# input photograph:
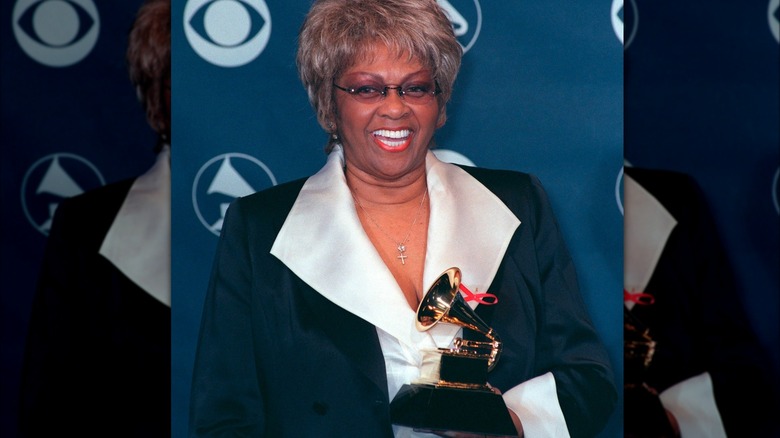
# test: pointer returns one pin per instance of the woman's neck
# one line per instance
(372, 191)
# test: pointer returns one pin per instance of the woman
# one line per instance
(309, 321)
(98, 358)
(707, 364)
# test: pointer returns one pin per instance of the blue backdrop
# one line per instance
(702, 93)
(540, 90)
(70, 122)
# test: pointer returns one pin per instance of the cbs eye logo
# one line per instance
(622, 16)
(227, 33)
(56, 33)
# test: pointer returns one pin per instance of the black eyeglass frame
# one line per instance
(383, 93)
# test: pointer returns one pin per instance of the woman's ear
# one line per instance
(442, 119)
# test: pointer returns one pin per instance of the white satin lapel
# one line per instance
(336, 258)
(139, 240)
(334, 255)
(647, 226)
(469, 227)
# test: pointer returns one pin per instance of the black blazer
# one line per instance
(97, 359)
(277, 359)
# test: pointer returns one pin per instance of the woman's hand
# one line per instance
(517, 423)
(515, 418)
(673, 423)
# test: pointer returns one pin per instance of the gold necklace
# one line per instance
(400, 246)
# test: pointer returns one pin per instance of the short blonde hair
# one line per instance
(337, 33)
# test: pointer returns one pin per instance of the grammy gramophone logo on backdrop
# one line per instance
(221, 180)
(50, 180)
(466, 19)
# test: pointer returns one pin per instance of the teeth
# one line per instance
(394, 144)
(392, 134)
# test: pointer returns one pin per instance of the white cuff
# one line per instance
(535, 402)
(692, 402)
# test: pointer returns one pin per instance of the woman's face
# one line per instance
(387, 139)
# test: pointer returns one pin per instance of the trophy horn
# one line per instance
(444, 303)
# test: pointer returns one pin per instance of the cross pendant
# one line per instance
(401, 250)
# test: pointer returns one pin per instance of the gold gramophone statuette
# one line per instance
(456, 377)
(638, 349)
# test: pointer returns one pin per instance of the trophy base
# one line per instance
(434, 408)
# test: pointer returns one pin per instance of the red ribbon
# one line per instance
(640, 298)
(482, 298)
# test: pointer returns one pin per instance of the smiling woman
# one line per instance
(309, 322)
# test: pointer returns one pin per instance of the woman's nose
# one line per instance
(393, 105)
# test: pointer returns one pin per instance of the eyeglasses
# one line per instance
(418, 94)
